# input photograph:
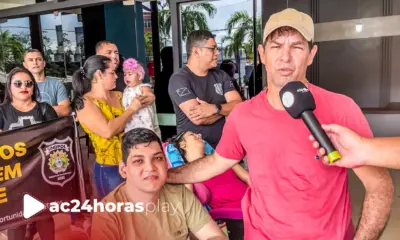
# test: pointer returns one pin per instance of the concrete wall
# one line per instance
(125, 28)
(384, 125)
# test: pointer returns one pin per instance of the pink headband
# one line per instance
(133, 65)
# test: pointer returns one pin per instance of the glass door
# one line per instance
(237, 26)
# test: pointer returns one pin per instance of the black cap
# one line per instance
(296, 98)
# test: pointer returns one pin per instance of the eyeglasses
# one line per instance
(213, 48)
(18, 83)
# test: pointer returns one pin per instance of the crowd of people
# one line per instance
(285, 193)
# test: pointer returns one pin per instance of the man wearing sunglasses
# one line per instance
(52, 91)
(202, 95)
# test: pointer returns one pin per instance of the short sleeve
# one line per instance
(145, 85)
(227, 83)
(356, 120)
(62, 93)
(105, 226)
(229, 145)
(196, 215)
(50, 113)
(180, 90)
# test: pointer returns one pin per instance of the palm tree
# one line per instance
(164, 25)
(241, 36)
(11, 50)
(242, 23)
(192, 17)
(235, 43)
(24, 38)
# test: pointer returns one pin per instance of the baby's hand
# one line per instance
(136, 104)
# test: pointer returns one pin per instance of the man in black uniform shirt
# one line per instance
(202, 95)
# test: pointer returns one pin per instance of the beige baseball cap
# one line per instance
(290, 18)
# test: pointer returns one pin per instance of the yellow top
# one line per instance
(108, 151)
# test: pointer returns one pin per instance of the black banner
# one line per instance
(42, 160)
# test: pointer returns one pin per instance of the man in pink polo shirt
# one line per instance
(292, 194)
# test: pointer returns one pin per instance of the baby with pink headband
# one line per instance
(147, 116)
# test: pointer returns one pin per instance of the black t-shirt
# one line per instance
(185, 85)
(11, 118)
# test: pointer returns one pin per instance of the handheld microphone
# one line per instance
(299, 103)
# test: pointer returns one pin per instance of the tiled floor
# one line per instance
(392, 231)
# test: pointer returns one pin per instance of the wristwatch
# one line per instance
(218, 107)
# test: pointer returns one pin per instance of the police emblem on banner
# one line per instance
(58, 163)
(218, 88)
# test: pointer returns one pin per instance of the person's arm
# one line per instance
(63, 104)
(377, 202)
(200, 170)
(382, 152)
(181, 93)
(205, 112)
(148, 95)
(232, 99)
(241, 173)
(377, 182)
(50, 113)
(200, 112)
(199, 222)
(232, 96)
(356, 150)
(190, 187)
(63, 108)
(227, 154)
(105, 226)
(93, 118)
(210, 231)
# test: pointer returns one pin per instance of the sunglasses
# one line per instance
(18, 83)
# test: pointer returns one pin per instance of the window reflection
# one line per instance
(52, 38)
(15, 39)
(63, 43)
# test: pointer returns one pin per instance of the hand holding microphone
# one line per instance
(299, 103)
